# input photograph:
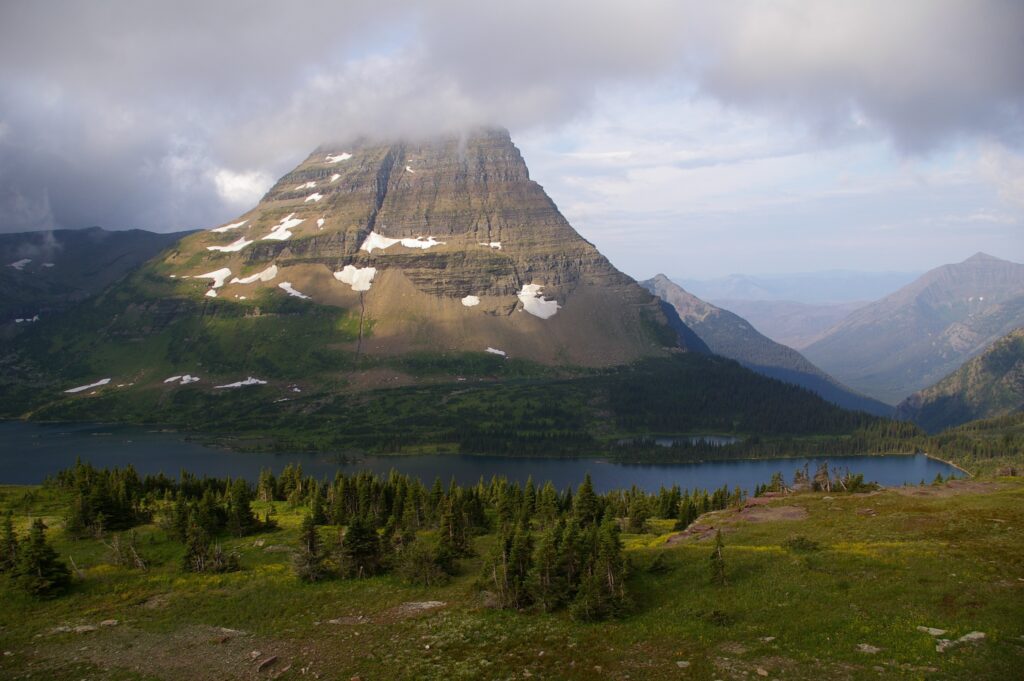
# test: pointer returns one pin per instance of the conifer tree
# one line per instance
(8, 545)
(360, 549)
(547, 505)
(38, 570)
(309, 559)
(240, 519)
(585, 505)
(547, 584)
(197, 546)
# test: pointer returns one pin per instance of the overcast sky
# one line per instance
(695, 138)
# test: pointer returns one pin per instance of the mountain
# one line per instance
(442, 245)
(731, 336)
(919, 334)
(987, 386)
(817, 288)
(42, 273)
(790, 323)
(396, 296)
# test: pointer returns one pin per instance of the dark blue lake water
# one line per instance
(31, 451)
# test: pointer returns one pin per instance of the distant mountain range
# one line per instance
(815, 288)
(44, 272)
(914, 337)
(731, 336)
(990, 385)
(793, 324)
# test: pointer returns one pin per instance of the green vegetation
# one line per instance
(800, 596)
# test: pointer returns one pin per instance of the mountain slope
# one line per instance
(919, 334)
(42, 273)
(988, 386)
(731, 336)
(792, 324)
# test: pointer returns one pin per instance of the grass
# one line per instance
(949, 556)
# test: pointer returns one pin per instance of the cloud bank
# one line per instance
(178, 115)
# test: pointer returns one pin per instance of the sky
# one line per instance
(694, 138)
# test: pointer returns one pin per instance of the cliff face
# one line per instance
(443, 245)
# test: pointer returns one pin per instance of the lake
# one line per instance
(29, 452)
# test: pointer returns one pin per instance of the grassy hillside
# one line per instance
(811, 580)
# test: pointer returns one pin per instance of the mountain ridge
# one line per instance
(729, 335)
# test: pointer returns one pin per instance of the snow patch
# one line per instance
(218, 277)
(359, 278)
(343, 156)
(47, 264)
(282, 231)
(20, 264)
(409, 170)
(286, 286)
(265, 275)
(320, 223)
(491, 244)
(242, 384)
(183, 380)
(233, 247)
(335, 176)
(314, 197)
(102, 381)
(535, 304)
(308, 185)
(228, 228)
(374, 240)
(470, 301)
(26, 320)
(496, 351)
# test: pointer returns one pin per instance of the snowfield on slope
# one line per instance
(374, 240)
(218, 277)
(266, 275)
(232, 247)
(102, 381)
(533, 303)
(183, 380)
(282, 231)
(228, 228)
(286, 286)
(359, 278)
(242, 384)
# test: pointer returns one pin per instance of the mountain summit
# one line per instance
(442, 245)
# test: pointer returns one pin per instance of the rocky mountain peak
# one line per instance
(444, 243)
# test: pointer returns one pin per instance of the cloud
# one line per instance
(172, 115)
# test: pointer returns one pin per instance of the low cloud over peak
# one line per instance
(174, 115)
